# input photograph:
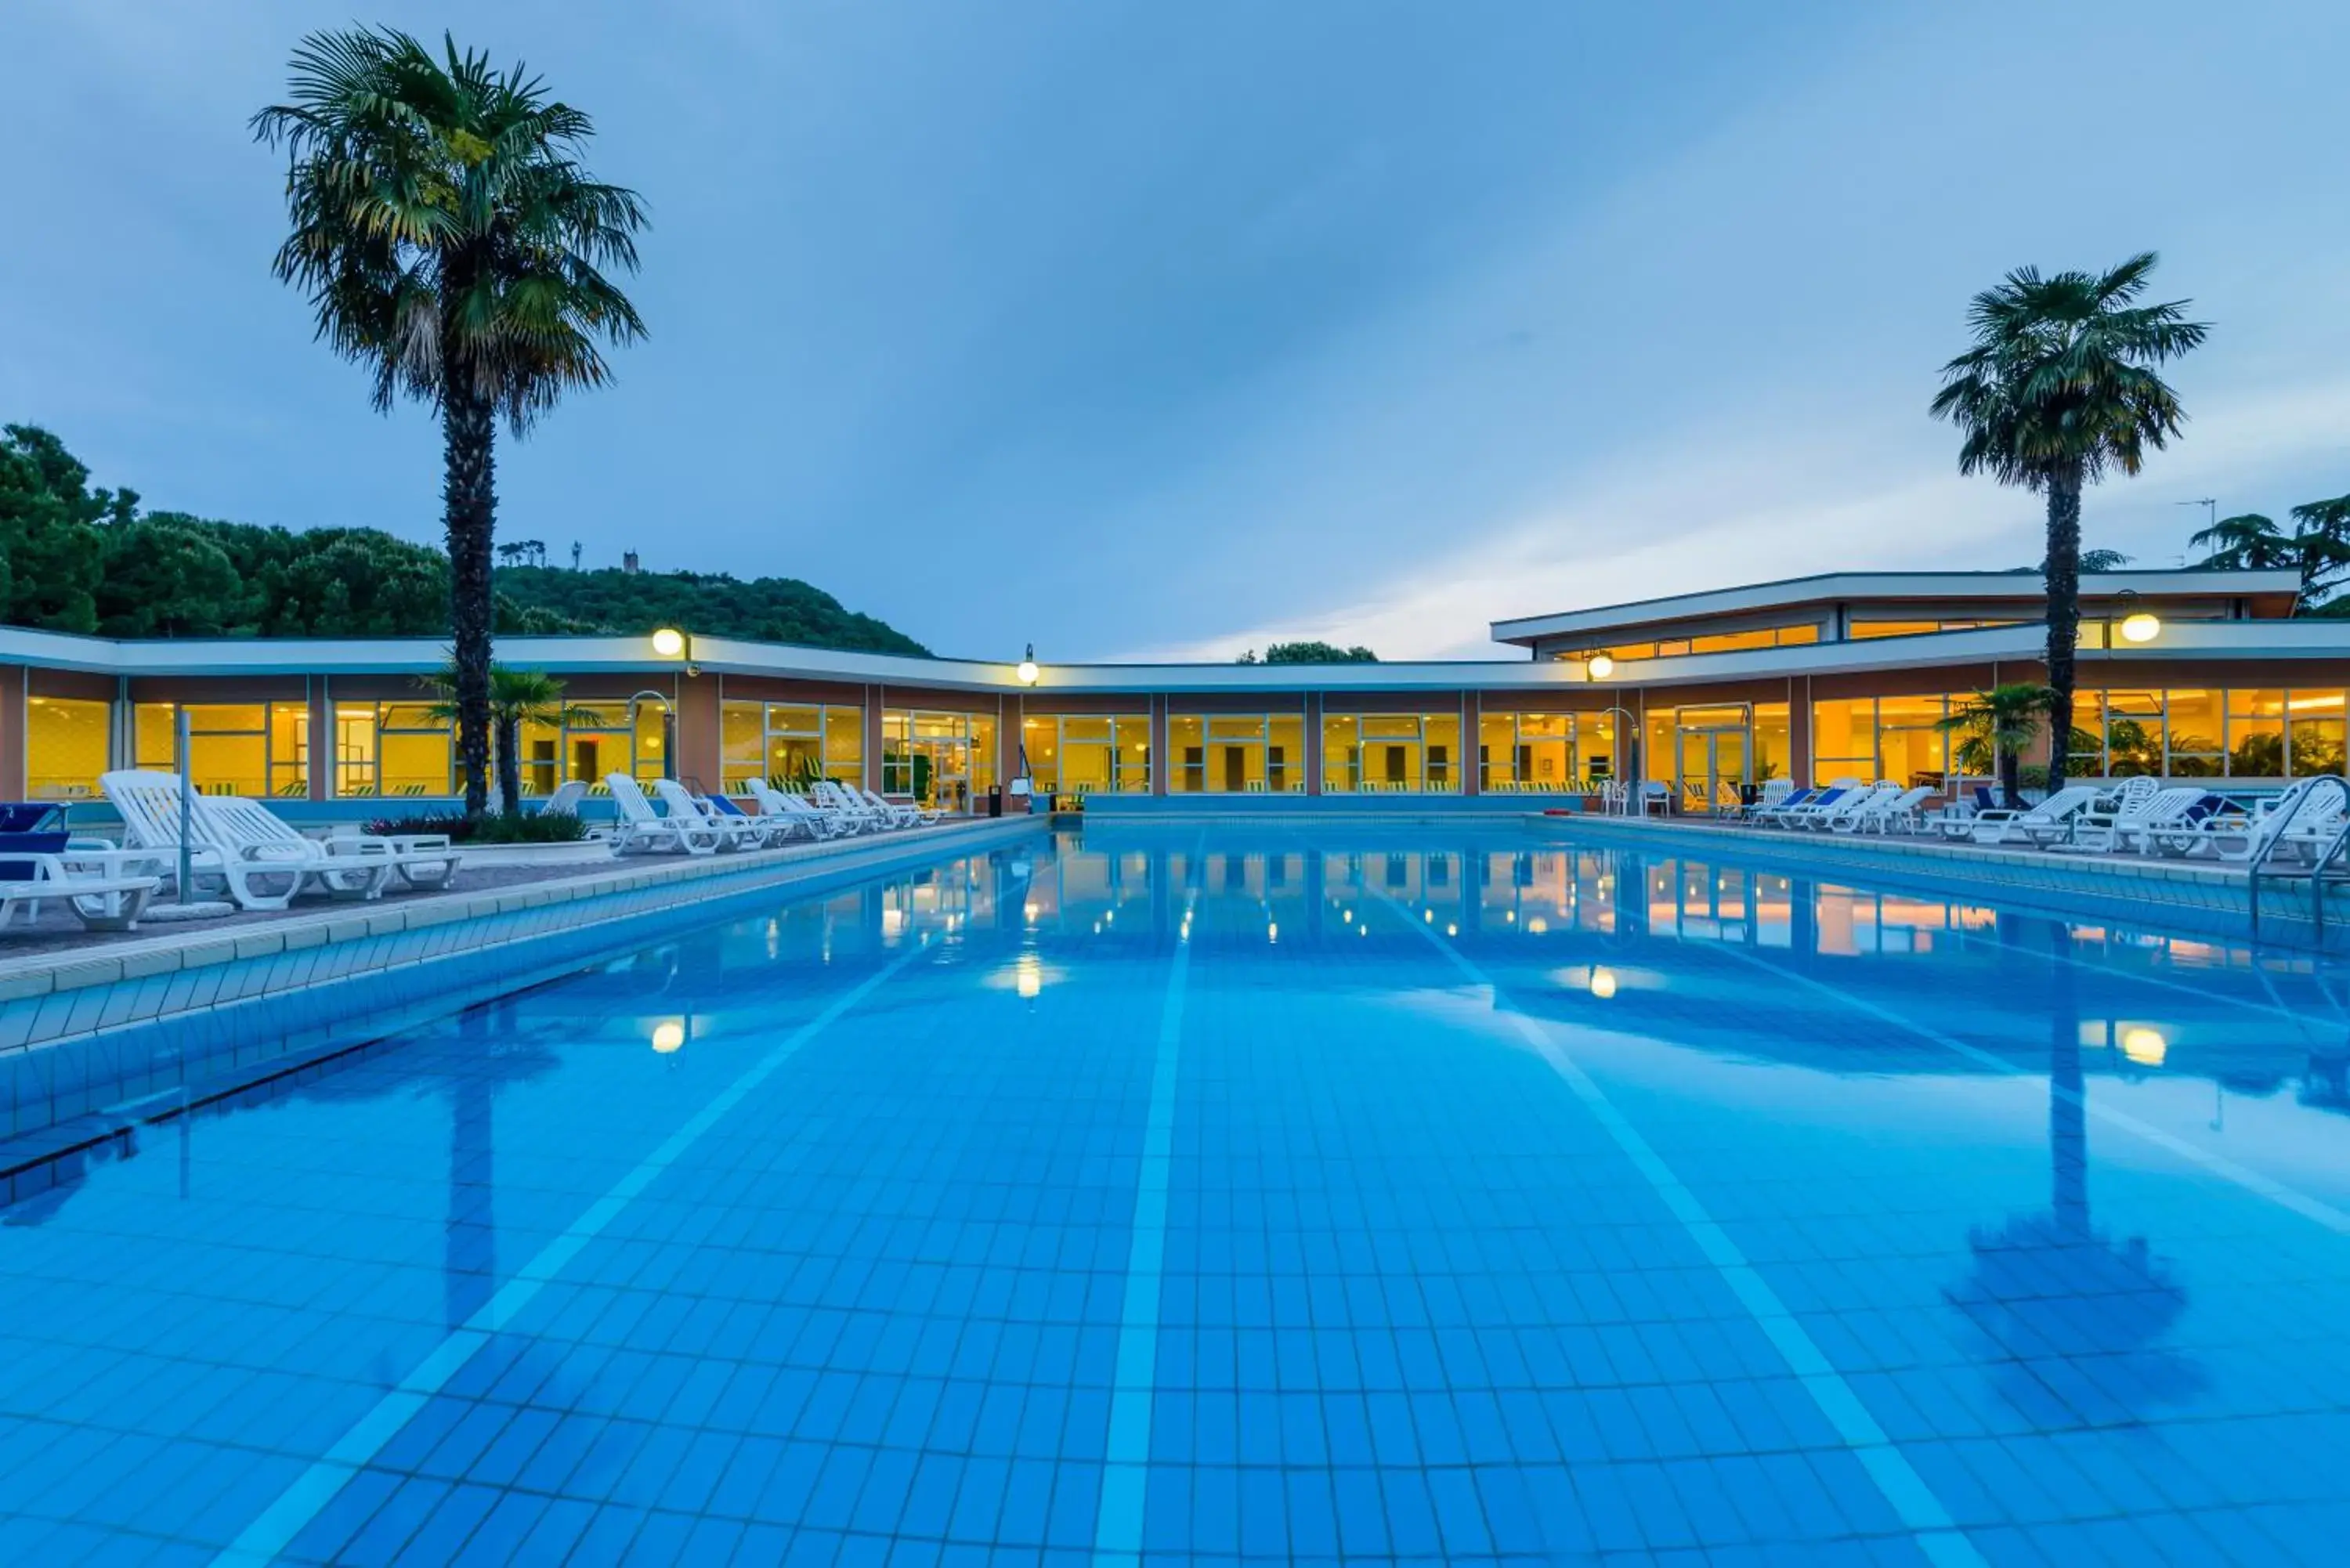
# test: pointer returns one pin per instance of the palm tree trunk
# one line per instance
(469, 503)
(509, 765)
(2064, 571)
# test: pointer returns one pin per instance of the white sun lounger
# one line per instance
(1883, 813)
(2040, 825)
(254, 876)
(785, 806)
(100, 901)
(827, 795)
(680, 803)
(644, 828)
(911, 815)
(2300, 823)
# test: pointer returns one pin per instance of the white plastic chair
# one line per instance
(2040, 825)
(255, 877)
(642, 827)
(790, 808)
(679, 803)
(101, 902)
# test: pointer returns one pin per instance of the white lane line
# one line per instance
(316, 1487)
(2219, 1165)
(1118, 1527)
(1913, 1501)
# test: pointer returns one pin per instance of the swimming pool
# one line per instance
(1244, 1193)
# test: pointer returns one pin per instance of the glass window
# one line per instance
(66, 746)
(1187, 754)
(1234, 753)
(253, 749)
(843, 745)
(2314, 722)
(1772, 755)
(2133, 733)
(1910, 749)
(1342, 754)
(2196, 728)
(2255, 734)
(1844, 740)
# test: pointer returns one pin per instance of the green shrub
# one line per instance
(495, 827)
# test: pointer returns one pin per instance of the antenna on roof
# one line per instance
(2210, 504)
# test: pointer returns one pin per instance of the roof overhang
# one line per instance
(2275, 589)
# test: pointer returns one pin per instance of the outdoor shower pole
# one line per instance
(187, 783)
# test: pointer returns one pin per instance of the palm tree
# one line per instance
(2320, 537)
(1995, 727)
(451, 242)
(2058, 388)
(517, 696)
(2245, 543)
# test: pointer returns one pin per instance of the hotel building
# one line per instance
(2194, 674)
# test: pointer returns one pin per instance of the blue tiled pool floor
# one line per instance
(1324, 1195)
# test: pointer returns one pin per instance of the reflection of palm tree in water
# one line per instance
(2074, 1316)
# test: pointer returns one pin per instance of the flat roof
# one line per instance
(1985, 588)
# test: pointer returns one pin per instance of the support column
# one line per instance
(700, 750)
(1312, 747)
(1472, 741)
(874, 741)
(1799, 734)
(1162, 760)
(322, 756)
(15, 745)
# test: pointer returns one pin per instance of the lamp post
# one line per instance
(1628, 749)
(669, 730)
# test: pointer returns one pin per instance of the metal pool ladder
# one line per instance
(2324, 861)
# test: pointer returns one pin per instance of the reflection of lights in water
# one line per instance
(2144, 1047)
(1110, 916)
(1097, 927)
(1429, 916)
(1603, 983)
(668, 1035)
(1510, 917)
(1271, 931)
(1537, 925)
(1028, 976)
(1450, 929)
(1345, 917)
(1029, 911)
(893, 921)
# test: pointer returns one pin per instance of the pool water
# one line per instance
(1253, 1193)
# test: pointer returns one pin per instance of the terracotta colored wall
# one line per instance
(12, 763)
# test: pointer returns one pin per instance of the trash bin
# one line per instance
(995, 801)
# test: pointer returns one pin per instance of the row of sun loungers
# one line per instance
(674, 820)
(2139, 817)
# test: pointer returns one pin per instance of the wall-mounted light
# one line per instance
(2137, 623)
(1599, 666)
(1028, 666)
(671, 643)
